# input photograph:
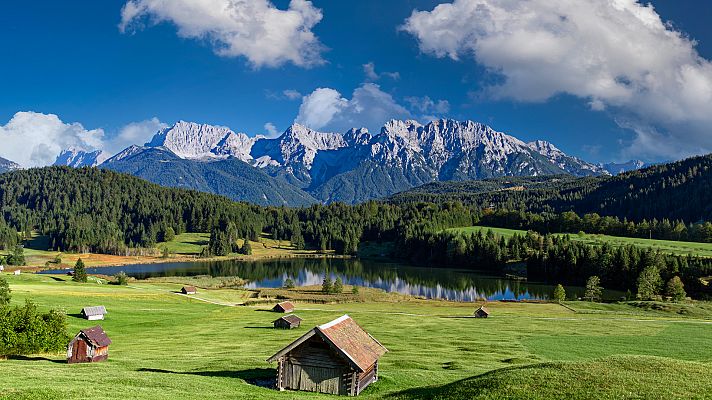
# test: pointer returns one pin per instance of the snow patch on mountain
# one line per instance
(77, 158)
(7, 165)
(194, 141)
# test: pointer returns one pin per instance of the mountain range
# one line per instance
(304, 166)
(7, 165)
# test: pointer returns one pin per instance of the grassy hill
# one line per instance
(168, 346)
(666, 246)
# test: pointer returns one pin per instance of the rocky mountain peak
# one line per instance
(77, 158)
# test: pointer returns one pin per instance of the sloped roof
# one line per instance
(486, 311)
(291, 318)
(95, 310)
(97, 336)
(190, 289)
(353, 343)
(285, 305)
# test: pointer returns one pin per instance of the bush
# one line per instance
(354, 289)
(122, 279)
(326, 285)
(80, 273)
(288, 283)
(559, 293)
(169, 235)
(649, 283)
(17, 257)
(246, 248)
(24, 331)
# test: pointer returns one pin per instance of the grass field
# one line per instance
(667, 246)
(168, 346)
(185, 247)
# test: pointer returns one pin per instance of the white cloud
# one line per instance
(369, 69)
(34, 139)
(369, 107)
(271, 130)
(429, 108)
(254, 29)
(618, 55)
(134, 133)
(292, 94)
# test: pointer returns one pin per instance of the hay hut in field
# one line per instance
(287, 322)
(481, 312)
(2, 268)
(189, 290)
(16, 272)
(284, 307)
(89, 345)
(94, 313)
(336, 358)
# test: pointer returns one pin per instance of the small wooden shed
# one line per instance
(287, 322)
(2, 268)
(89, 345)
(94, 313)
(189, 290)
(284, 307)
(16, 272)
(481, 312)
(336, 358)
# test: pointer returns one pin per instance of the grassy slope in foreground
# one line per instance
(618, 377)
(168, 346)
(667, 246)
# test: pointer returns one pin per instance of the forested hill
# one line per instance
(90, 209)
(678, 190)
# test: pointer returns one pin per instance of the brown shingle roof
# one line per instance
(349, 340)
(292, 319)
(285, 305)
(97, 336)
(190, 289)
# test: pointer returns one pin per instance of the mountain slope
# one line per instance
(73, 157)
(230, 177)
(7, 165)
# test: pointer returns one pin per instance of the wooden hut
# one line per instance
(2, 268)
(287, 322)
(189, 290)
(16, 272)
(336, 358)
(481, 312)
(94, 313)
(284, 307)
(89, 345)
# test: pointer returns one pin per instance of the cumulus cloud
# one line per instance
(369, 107)
(254, 29)
(369, 69)
(618, 55)
(134, 133)
(34, 139)
(271, 130)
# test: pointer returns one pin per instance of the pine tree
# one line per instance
(246, 248)
(80, 273)
(288, 283)
(326, 285)
(338, 287)
(649, 283)
(593, 289)
(675, 289)
(559, 293)
(4, 292)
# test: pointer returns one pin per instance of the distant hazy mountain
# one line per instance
(350, 167)
(229, 177)
(7, 165)
(619, 168)
(76, 158)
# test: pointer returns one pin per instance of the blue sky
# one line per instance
(73, 60)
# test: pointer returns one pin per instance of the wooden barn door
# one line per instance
(315, 379)
(79, 351)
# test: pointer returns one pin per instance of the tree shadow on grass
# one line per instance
(36, 358)
(262, 377)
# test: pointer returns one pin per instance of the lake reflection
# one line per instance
(433, 283)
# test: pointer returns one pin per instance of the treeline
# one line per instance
(101, 211)
(558, 259)
(680, 190)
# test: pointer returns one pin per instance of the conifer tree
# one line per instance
(80, 273)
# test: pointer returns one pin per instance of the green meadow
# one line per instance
(667, 246)
(169, 346)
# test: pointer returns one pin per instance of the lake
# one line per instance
(433, 283)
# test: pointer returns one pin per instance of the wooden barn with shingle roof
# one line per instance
(89, 345)
(283, 307)
(336, 358)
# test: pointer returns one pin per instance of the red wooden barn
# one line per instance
(89, 345)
